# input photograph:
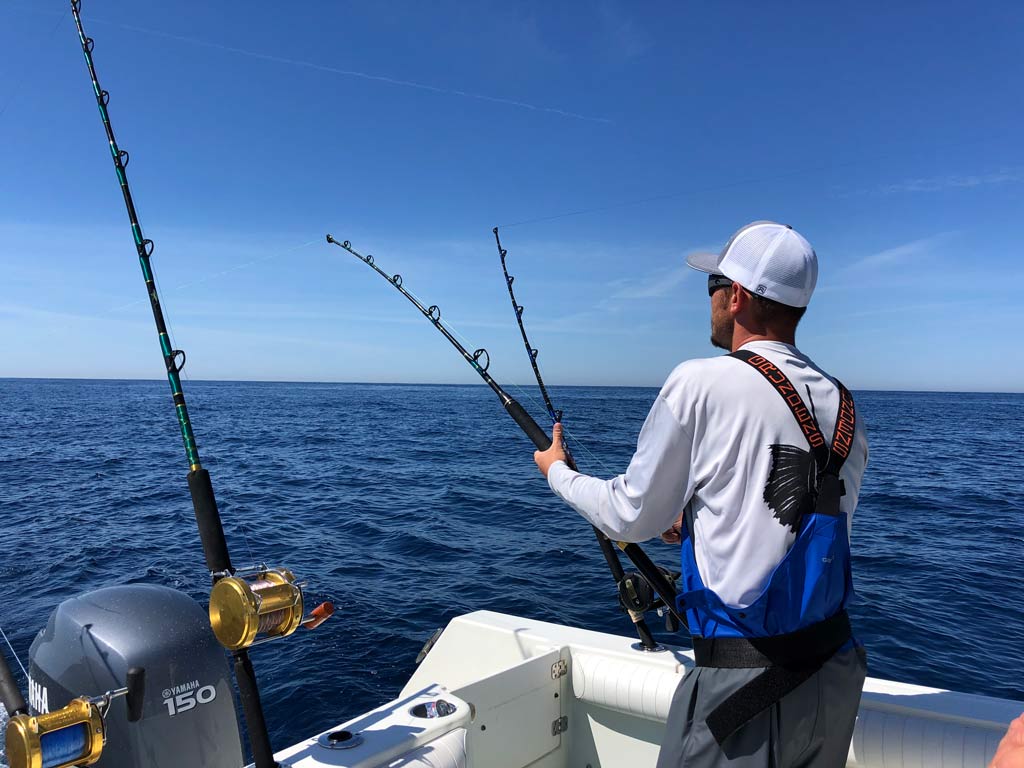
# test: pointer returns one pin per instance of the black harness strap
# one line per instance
(804, 417)
(828, 457)
(789, 659)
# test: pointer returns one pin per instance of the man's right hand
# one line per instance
(555, 453)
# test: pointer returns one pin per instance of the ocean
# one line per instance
(407, 505)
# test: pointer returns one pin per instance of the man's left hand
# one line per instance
(674, 535)
(555, 453)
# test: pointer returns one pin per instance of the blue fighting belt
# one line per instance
(799, 620)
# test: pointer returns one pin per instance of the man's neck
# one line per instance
(741, 336)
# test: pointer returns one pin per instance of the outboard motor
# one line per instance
(90, 643)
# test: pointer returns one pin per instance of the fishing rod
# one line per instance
(244, 603)
(531, 351)
(654, 576)
(628, 595)
(10, 693)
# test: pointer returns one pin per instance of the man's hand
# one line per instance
(555, 453)
(1010, 753)
(674, 535)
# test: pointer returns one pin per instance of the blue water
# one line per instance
(408, 505)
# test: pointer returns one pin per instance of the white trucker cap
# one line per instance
(769, 259)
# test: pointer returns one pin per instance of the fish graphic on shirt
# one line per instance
(791, 490)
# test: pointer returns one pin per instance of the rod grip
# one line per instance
(526, 423)
(259, 740)
(211, 531)
(10, 693)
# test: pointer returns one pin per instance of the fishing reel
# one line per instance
(260, 604)
(636, 596)
(73, 735)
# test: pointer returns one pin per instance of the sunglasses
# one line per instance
(717, 281)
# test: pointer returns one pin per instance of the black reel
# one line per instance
(637, 596)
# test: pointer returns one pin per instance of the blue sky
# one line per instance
(887, 133)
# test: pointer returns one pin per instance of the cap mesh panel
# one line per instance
(748, 249)
(787, 266)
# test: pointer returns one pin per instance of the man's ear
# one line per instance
(738, 299)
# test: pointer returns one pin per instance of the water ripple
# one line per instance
(408, 505)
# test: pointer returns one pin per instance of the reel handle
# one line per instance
(134, 691)
(318, 615)
(135, 682)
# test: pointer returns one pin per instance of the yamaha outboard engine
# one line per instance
(90, 643)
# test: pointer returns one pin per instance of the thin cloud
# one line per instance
(899, 254)
(931, 308)
(626, 39)
(588, 323)
(358, 74)
(945, 183)
(656, 286)
(38, 313)
(941, 183)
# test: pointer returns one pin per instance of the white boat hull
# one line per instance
(529, 693)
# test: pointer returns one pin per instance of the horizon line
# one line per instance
(471, 384)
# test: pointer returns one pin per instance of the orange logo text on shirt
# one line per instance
(796, 404)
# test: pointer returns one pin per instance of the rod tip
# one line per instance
(330, 239)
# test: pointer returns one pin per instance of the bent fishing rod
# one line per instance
(651, 572)
(244, 603)
(627, 590)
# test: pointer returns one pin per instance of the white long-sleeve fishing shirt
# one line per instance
(706, 442)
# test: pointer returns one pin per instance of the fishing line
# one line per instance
(214, 275)
(554, 414)
(240, 519)
(101, 315)
(627, 590)
(13, 652)
(358, 74)
(738, 183)
(480, 361)
(531, 351)
(242, 528)
(247, 616)
(523, 393)
(21, 81)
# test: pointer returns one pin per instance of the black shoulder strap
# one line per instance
(829, 457)
(846, 427)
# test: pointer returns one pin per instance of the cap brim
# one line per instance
(705, 262)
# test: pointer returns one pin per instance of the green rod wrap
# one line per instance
(211, 531)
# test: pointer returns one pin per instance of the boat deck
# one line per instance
(530, 693)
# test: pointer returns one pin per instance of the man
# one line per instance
(754, 461)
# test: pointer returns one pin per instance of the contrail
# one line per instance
(214, 275)
(356, 73)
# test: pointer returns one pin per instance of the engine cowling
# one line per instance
(91, 641)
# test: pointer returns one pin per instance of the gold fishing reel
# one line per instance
(73, 735)
(265, 603)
